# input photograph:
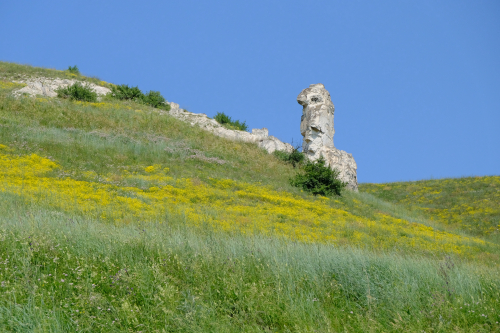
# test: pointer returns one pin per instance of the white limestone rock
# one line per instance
(47, 87)
(316, 123)
(343, 162)
(316, 127)
(260, 137)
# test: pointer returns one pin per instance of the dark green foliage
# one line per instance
(225, 120)
(77, 92)
(73, 70)
(319, 179)
(152, 98)
(124, 92)
(155, 99)
(222, 118)
(241, 126)
(294, 158)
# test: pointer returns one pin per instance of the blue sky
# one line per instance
(416, 84)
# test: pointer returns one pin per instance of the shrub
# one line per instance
(155, 99)
(222, 118)
(77, 92)
(319, 179)
(73, 70)
(124, 92)
(294, 158)
(152, 98)
(225, 120)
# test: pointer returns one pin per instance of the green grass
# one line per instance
(470, 204)
(13, 71)
(63, 273)
(227, 122)
(166, 277)
(75, 134)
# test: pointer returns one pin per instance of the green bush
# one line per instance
(225, 120)
(152, 98)
(319, 179)
(222, 118)
(124, 92)
(155, 99)
(294, 158)
(73, 70)
(78, 92)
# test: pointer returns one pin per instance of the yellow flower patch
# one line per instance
(11, 85)
(221, 204)
(471, 203)
(103, 105)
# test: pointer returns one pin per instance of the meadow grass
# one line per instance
(13, 71)
(115, 216)
(471, 204)
(126, 133)
(226, 205)
(62, 272)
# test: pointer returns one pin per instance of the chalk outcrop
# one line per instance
(260, 137)
(316, 126)
(47, 87)
(42, 86)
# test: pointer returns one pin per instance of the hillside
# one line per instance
(116, 216)
(470, 203)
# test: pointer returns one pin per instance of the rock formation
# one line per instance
(47, 87)
(316, 127)
(259, 136)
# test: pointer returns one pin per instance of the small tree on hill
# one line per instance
(78, 92)
(319, 179)
(73, 70)
(124, 92)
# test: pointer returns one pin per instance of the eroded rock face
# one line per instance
(260, 137)
(316, 124)
(316, 127)
(47, 87)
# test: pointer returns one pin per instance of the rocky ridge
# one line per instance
(316, 124)
(260, 137)
(47, 87)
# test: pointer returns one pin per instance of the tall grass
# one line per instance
(132, 134)
(12, 71)
(471, 204)
(67, 273)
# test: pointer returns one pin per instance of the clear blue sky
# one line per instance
(416, 84)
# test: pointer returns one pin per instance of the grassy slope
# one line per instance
(192, 280)
(11, 71)
(469, 203)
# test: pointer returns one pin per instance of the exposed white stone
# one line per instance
(43, 86)
(260, 137)
(316, 127)
(47, 87)
(316, 123)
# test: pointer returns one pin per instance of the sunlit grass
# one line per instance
(470, 203)
(115, 217)
(61, 272)
(13, 71)
(222, 204)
